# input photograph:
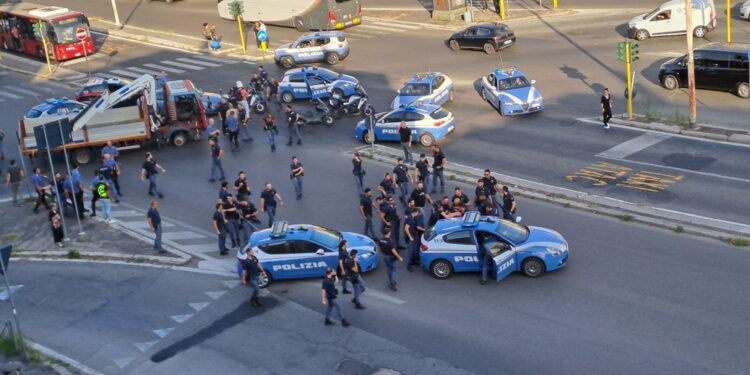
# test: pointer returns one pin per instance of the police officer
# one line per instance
(268, 199)
(423, 170)
(40, 185)
(420, 197)
(463, 198)
(438, 165)
(413, 226)
(401, 178)
(485, 257)
(114, 168)
(480, 190)
(248, 214)
(220, 227)
(217, 154)
(509, 205)
(240, 186)
(365, 209)
(490, 184)
(232, 216)
(404, 134)
(149, 171)
(390, 255)
(353, 273)
(251, 272)
(272, 93)
(297, 172)
(222, 110)
(341, 269)
(292, 118)
(390, 219)
(387, 187)
(224, 191)
(358, 172)
(329, 293)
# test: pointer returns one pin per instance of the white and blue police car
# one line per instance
(425, 88)
(53, 110)
(327, 46)
(429, 125)
(314, 82)
(452, 245)
(511, 93)
(302, 251)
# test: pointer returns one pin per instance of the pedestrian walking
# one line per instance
(113, 173)
(217, 154)
(149, 171)
(413, 227)
(232, 216)
(58, 232)
(509, 204)
(102, 190)
(390, 220)
(252, 269)
(365, 209)
(154, 222)
(272, 93)
(353, 273)
(248, 215)
(269, 126)
(358, 172)
(240, 186)
(268, 199)
(438, 166)
(297, 172)
(219, 224)
(110, 150)
(341, 268)
(329, 294)
(404, 134)
(233, 128)
(423, 170)
(292, 120)
(401, 178)
(387, 186)
(13, 178)
(41, 186)
(390, 256)
(606, 107)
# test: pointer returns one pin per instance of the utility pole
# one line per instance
(117, 15)
(690, 62)
(729, 21)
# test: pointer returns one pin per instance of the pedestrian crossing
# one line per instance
(25, 91)
(373, 29)
(177, 65)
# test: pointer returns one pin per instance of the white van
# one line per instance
(669, 19)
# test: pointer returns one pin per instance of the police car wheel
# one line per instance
(670, 82)
(743, 90)
(488, 48)
(426, 140)
(453, 44)
(332, 58)
(264, 280)
(287, 97)
(287, 62)
(641, 35)
(441, 269)
(367, 137)
(450, 96)
(532, 267)
(83, 156)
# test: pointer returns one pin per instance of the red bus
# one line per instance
(17, 32)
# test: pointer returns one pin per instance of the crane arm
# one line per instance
(143, 83)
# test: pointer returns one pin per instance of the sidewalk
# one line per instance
(423, 16)
(37, 68)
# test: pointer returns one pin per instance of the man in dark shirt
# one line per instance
(490, 183)
(390, 255)
(457, 193)
(222, 112)
(292, 118)
(224, 191)
(13, 178)
(297, 171)
(251, 272)
(479, 191)
(341, 269)
(386, 186)
(438, 166)
(353, 273)
(248, 213)
(401, 178)
(509, 205)
(149, 171)
(421, 198)
(329, 294)
(413, 226)
(154, 221)
(220, 227)
(365, 209)
(390, 220)
(404, 134)
(423, 170)
(240, 186)
(217, 154)
(606, 107)
(231, 213)
(268, 199)
(358, 172)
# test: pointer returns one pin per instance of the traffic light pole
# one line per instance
(628, 69)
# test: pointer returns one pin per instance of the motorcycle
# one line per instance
(356, 103)
(257, 102)
(320, 115)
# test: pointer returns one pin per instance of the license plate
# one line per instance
(507, 41)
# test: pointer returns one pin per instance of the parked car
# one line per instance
(328, 46)
(669, 19)
(488, 37)
(52, 110)
(745, 10)
(425, 88)
(718, 66)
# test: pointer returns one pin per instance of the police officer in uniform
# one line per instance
(420, 197)
(220, 227)
(251, 271)
(231, 213)
(329, 293)
(509, 205)
(390, 255)
(248, 214)
(365, 209)
(401, 178)
(423, 170)
(490, 184)
(390, 220)
(485, 257)
(341, 269)
(413, 226)
(353, 273)
(292, 118)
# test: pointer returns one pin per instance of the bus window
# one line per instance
(65, 29)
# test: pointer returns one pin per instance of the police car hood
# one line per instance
(358, 241)
(405, 100)
(283, 46)
(543, 237)
(345, 78)
(520, 95)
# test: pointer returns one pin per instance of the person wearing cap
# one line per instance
(251, 271)
(329, 293)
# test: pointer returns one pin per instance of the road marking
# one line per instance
(634, 145)
(144, 346)
(181, 318)
(145, 71)
(706, 174)
(163, 332)
(9, 95)
(125, 73)
(383, 28)
(4, 291)
(182, 235)
(181, 65)
(216, 59)
(394, 24)
(46, 89)
(141, 224)
(164, 68)
(124, 213)
(666, 54)
(198, 306)
(216, 295)
(122, 362)
(22, 90)
(231, 283)
(355, 36)
(194, 61)
(369, 292)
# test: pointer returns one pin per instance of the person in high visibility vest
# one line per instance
(101, 189)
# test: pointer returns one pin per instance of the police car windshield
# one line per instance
(328, 75)
(329, 238)
(513, 83)
(512, 231)
(415, 89)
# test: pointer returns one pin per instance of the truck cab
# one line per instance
(179, 104)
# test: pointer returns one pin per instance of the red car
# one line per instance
(96, 86)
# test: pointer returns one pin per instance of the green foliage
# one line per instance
(8, 237)
(742, 242)
(679, 229)
(236, 8)
(626, 217)
(73, 254)
(7, 346)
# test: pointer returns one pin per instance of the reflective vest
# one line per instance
(102, 190)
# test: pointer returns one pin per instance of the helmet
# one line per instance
(238, 84)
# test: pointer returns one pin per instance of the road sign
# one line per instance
(262, 36)
(81, 34)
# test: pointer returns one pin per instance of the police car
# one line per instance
(452, 246)
(302, 251)
(328, 46)
(425, 88)
(511, 93)
(429, 125)
(94, 87)
(53, 110)
(314, 82)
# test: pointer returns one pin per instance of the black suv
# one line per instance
(489, 37)
(718, 66)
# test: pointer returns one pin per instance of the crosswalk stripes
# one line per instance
(182, 65)
(143, 71)
(380, 28)
(216, 59)
(125, 73)
(164, 68)
(194, 61)
(397, 25)
(9, 95)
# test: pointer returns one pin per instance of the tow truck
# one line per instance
(136, 115)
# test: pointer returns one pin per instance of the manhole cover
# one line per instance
(693, 162)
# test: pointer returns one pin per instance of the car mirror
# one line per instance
(320, 252)
(533, 81)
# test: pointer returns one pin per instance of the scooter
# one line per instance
(257, 103)
(320, 115)
(356, 103)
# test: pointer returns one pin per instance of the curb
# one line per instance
(728, 134)
(556, 13)
(626, 211)
(62, 358)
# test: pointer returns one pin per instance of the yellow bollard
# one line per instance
(502, 9)
(46, 53)
(242, 34)
(729, 21)
(554, 4)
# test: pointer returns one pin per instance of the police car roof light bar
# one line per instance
(470, 218)
(423, 75)
(279, 228)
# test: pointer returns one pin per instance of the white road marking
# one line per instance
(634, 145)
(354, 36)
(164, 68)
(22, 90)
(181, 318)
(183, 235)
(3, 92)
(126, 213)
(144, 346)
(125, 73)
(216, 59)
(194, 61)
(699, 173)
(383, 28)
(198, 306)
(216, 295)
(395, 24)
(163, 332)
(4, 291)
(122, 362)
(144, 71)
(181, 65)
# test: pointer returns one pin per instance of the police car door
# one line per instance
(310, 261)
(463, 248)
(504, 256)
(297, 85)
(316, 86)
(387, 127)
(439, 92)
(278, 259)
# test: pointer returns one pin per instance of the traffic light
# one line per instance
(633, 51)
(621, 51)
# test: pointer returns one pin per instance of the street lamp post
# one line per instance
(690, 62)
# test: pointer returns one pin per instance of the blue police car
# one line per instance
(53, 110)
(425, 88)
(302, 251)
(511, 93)
(328, 46)
(452, 245)
(314, 82)
(429, 125)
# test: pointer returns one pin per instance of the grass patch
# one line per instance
(742, 242)
(9, 237)
(8, 347)
(73, 254)
(626, 218)
(679, 229)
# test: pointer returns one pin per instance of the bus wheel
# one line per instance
(299, 24)
(83, 156)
